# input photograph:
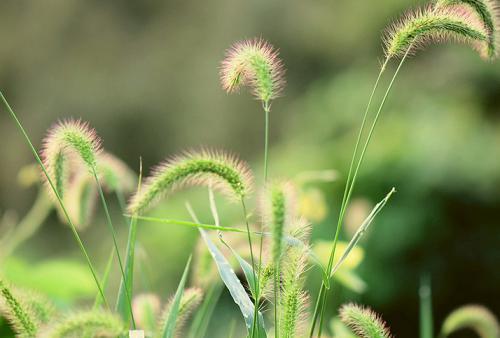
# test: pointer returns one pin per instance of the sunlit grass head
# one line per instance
(222, 171)
(420, 27)
(364, 322)
(66, 141)
(488, 12)
(256, 64)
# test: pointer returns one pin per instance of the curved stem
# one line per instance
(111, 228)
(56, 193)
(344, 197)
(29, 224)
(360, 161)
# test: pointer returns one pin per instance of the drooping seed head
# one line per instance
(93, 323)
(146, 307)
(80, 199)
(364, 322)
(489, 13)
(475, 317)
(254, 63)
(428, 25)
(222, 171)
(115, 174)
(63, 141)
(17, 312)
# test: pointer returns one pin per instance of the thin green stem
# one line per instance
(56, 193)
(360, 161)
(425, 294)
(115, 243)
(190, 224)
(344, 197)
(256, 291)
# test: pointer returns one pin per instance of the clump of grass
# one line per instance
(222, 171)
(475, 317)
(424, 26)
(364, 322)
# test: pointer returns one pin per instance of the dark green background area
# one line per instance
(145, 75)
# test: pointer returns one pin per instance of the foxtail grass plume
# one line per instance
(16, 312)
(93, 323)
(146, 307)
(254, 63)
(190, 300)
(364, 322)
(222, 171)
(63, 141)
(475, 317)
(293, 300)
(281, 211)
(489, 13)
(424, 26)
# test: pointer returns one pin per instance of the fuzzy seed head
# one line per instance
(222, 171)
(63, 142)
(190, 300)
(293, 299)
(364, 322)
(254, 63)
(146, 308)
(17, 312)
(488, 12)
(421, 27)
(475, 317)
(280, 212)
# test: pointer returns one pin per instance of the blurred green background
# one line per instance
(145, 75)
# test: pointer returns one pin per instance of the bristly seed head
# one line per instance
(64, 140)
(254, 63)
(434, 25)
(364, 322)
(489, 13)
(222, 171)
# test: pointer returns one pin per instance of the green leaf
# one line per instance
(234, 286)
(169, 328)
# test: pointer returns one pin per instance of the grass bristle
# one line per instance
(254, 63)
(364, 322)
(489, 13)
(421, 27)
(222, 171)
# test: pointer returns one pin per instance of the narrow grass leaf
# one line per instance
(171, 321)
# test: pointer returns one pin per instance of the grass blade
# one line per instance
(188, 224)
(169, 328)
(362, 229)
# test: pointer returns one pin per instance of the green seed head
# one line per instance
(488, 12)
(65, 141)
(18, 312)
(254, 63)
(293, 299)
(475, 317)
(220, 170)
(434, 25)
(364, 322)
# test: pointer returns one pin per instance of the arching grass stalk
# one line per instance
(324, 287)
(111, 228)
(56, 193)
